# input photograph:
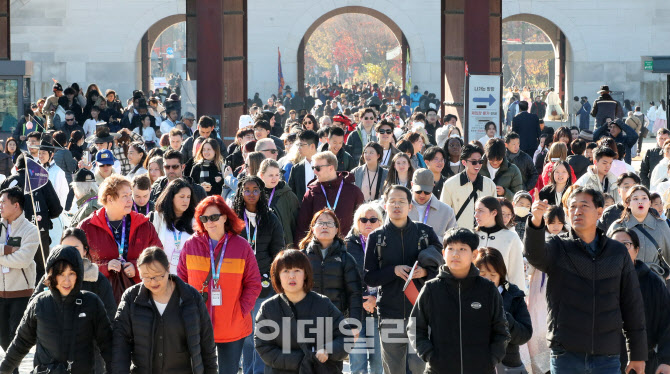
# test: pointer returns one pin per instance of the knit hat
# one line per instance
(521, 194)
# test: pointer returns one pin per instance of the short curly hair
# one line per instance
(109, 189)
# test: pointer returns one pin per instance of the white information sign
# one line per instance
(483, 104)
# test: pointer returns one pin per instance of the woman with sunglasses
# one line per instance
(385, 132)
(281, 199)
(208, 167)
(309, 123)
(118, 233)
(370, 176)
(368, 217)
(363, 134)
(264, 233)
(221, 264)
(162, 324)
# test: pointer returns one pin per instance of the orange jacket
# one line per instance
(240, 283)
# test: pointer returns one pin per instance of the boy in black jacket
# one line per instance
(468, 329)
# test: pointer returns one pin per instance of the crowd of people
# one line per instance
(352, 223)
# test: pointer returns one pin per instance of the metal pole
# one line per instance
(523, 55)
(32, 199)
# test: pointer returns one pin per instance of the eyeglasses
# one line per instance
(272, 151)
(330, 224)
(628, 244)
(387, 132)
(368, 118)
(104, 165)
(307, 122)
(366, 220)
(423, 192)
(507, 215)
(210, 218)
(157, 278)
(173, 167)
(252, 192)
(317, 168)
(476, 162)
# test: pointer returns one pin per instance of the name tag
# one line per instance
(216, 296)
(175, 258)
(5, 269)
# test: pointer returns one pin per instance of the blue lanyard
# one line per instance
(216, 270)
(251, 240)
(123, 234)
(337, 198)
(425, 215)
(177, 239)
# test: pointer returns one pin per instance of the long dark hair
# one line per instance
(625, 215)
(165, 205)
(139, 147)
(492, 204)
(262, 209)
(392, 176)
(377, 147)
(565, 164)
(16, 151)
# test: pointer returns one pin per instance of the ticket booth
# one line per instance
(14, 92)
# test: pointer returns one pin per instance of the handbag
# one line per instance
(644, 131)
(120, 282)
(662, 268)
(60, 367)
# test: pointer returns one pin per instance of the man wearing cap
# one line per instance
(51, 104)
(104, 140)
(428, 209)
(104, 165)
(86, 192)
(605, 107)
(206, 130)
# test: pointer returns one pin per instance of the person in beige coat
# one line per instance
(462, 190)
(598, 175)
(20, 240)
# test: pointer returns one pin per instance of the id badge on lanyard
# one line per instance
(215, 291)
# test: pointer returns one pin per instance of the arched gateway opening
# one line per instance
(401, 52)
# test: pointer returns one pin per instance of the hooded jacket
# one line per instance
(509, 245)
(336, 277)
(95, 282)
(474, 337)
(628, 137)
(284, 205)
(525, 164)
(589, 296)
(314, 200)
(397, 246)
(87, 205)
(269, 242)
(239, 274)
(656, 298)
(508, 176)
(134, 332)
(103, 246)
(591, 180)
(58, 324)
(19, 281)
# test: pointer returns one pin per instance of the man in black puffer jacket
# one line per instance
(592, 289)
(337, 277)
(392, 250)
(64, 328)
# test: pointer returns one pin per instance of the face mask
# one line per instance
(521, 211)
(663, 216)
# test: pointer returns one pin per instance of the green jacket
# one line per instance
(508, 177)
(85, 209)
(285, 204)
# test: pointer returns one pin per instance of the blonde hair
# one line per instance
(254, 160)
(328, 156)
(109, 188)
(360, 212)
(557, 150)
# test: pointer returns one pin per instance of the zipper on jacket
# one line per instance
(593, 316)
(460, 325)
(404, 302)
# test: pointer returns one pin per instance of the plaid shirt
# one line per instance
(122, 158)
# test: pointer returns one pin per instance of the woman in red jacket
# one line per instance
(117, 235)
(222, 265)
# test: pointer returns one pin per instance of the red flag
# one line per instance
(466, 68)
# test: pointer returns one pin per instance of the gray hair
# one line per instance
(82, 189)
(362, 210)
(188, 115)
(263, 141)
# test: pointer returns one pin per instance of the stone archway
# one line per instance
(147, 42)
(395, 29)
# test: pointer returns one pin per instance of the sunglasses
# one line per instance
(173, 167)
(366, 220)
(69, 119)
(387, 132)
(423, 192)
(272, 151)
(368, 118)
(317, 168)
(307, 123)
(210, 218)
(476, 162)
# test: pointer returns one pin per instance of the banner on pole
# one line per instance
(36, 176)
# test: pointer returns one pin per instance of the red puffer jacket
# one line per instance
(104, 247)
